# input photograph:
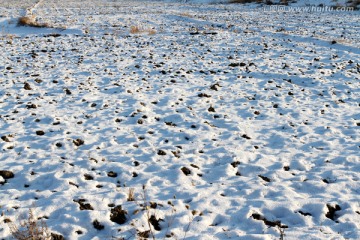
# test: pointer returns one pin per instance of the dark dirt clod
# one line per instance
(78, 142)
(242, 64)
(97, 225)
(6, 174)
(74, 184)
(170, 124)
(55, 236)
(235, 164)
(5, 138)
(53, 35)
(144, 234)
(194, 166)
(234, 65)
(155, 222)
(7, 220)
(161, 152)
(176, 153)
(267, 222)
(326, 181)
(266, 179)
(27, 86)
(331, 214)
(211, 109)
(40, 133)
(215, 86)
(204, 95)
(67, 91)
(86, 206)
(88, 177)
(195, 33)
(118, 215)
(286, 168)
(257, 216)
(186, 171)
(153, 205)
(31, 105)
(112, 174)
(304, 213)
(245, 136)
(83, 205)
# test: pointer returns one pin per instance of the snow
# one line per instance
(236, 120)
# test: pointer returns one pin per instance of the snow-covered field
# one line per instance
(240, 123)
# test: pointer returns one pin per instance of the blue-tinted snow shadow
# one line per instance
(11, 27)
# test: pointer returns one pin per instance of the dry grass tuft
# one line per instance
(24, 21)
(131, 195)
(138, 30)
(151, 32)
(30, 21)
(134, 29)
(185, 14)
(30, 229)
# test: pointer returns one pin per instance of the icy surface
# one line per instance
(237, 120)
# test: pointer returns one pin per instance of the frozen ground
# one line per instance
(240, 122)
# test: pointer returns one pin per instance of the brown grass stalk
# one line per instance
(30, 229)
(30, 21)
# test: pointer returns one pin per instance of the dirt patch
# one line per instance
(118, 215)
